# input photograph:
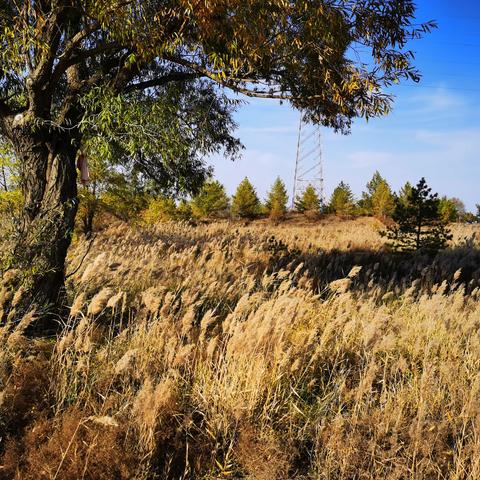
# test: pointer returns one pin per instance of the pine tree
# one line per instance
(447, 210)
(277, 199)
(419, 224)
(382, 200)
(366, 201)
(212, 201)
(342, 201)
(245, 203)
(378, 199)
(309, 202)
(404, 194)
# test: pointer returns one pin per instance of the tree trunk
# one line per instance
(37, 278)
(89, 211)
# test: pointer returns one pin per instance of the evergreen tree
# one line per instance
(447, 209)
(382, 200)
(378, 199)
(309, 202)
(366, 201)
(419, 224)
(342, 201)
(245, 203)
(277, 199)
(404, 194)
(212, 201)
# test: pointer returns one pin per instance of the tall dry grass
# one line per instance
(260, 352)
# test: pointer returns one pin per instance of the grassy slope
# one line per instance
(223, 352)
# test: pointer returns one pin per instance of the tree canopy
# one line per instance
(304, 51)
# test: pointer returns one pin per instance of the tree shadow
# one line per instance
(383, 271)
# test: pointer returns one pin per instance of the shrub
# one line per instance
(184, 211)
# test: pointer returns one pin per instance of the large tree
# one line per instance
(62, 61)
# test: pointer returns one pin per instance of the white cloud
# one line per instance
(436, 101)
(461, 143)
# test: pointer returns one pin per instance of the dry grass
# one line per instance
(222, 352)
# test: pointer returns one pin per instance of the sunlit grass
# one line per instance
(219, 352)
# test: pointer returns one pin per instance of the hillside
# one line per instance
(296, 351)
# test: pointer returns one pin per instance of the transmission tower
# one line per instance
(309, 161)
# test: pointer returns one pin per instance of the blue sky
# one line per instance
(433, 130)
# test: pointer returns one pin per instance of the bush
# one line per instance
(184, 211)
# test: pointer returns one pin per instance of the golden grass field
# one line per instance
(296, 351)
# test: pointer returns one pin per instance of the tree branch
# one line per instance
(70, 56)
(160, 81)
(232, 83)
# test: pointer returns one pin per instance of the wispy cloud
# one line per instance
(460, 142)
(436, 101)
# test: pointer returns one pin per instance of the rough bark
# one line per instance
(43, 234)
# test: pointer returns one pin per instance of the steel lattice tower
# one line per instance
(309, 161)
